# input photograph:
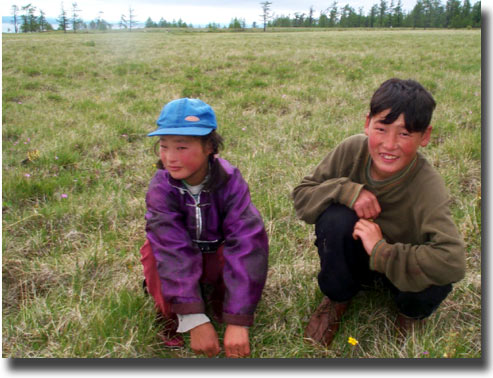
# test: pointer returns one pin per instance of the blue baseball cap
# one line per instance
(185, 116)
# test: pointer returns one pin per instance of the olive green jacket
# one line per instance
(421, 245)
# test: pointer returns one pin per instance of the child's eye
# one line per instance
(181, 148)
(163, 147)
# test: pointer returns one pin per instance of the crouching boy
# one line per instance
(380, 209)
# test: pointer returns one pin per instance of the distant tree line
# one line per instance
(29, 19)
(166, 24)
(236, 24)
(389, 13)
(385, 14)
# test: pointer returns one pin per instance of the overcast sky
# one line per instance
(197, 12)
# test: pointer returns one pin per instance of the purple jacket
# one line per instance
(223, 212)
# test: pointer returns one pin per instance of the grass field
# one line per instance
(76, 165)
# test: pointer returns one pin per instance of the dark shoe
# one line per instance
(325, 321)
(171, 339)
(144, 287)
(168, 335)
(405, 324)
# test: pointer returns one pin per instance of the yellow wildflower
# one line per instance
(352, 341)
(33, 155)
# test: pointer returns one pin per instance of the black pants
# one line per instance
(345, 266)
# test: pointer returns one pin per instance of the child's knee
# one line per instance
(338, 219)
(421, 305)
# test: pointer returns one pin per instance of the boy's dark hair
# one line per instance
(404, 96)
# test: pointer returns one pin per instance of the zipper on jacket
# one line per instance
(197, 205)
(198, 214)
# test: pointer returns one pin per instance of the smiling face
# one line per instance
(185, 157)
(392, 147)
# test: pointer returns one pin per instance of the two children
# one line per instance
(206, 242)
(379, 209)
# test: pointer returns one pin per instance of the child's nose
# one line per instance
(171, 156)
(390, 141)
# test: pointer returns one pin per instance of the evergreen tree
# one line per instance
(123, 22)
(63, 20)
(333, 14)
(265, 13)
(310, 20)
(452, 14)
(476, 15)
(29, 21)
(348, 17)
(398, 15)
(323, 20)
(235, 24)
(427, 13)
(99, 24)
(437, 14)
(181, 23)
(15, 17)
(418, 15)
(390, 14)
(361, 18)
(150, 24)
(131, 19)
(373, 15)
(42, 23)
(382, 13)
(466, 14)
(214, 26)
(75, 20)
(281, 21)
(299, 19)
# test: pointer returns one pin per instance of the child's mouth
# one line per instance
(388, 157)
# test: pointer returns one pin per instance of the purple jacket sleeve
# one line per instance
(245, 253)
(179, 263)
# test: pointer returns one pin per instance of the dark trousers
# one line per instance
(345, 266)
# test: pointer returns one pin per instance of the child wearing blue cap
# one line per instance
(207, 248)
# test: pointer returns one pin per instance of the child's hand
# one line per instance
(366, 205)
(203, 339)
(368, 232)
(236, 343)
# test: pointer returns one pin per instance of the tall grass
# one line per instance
(80, 105)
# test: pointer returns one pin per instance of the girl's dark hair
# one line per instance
(214, 138)
(406, 97)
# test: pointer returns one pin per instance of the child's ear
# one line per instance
(425, 138)
(367, 123)
(209, 149)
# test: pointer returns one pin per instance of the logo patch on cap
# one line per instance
(192, 119)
